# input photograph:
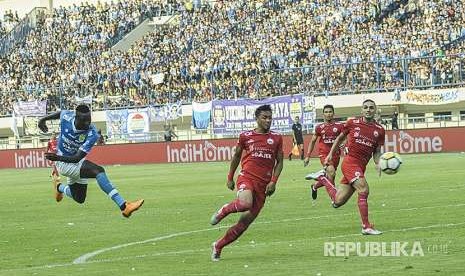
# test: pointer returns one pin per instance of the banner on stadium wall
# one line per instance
(234, 116)
(432, 97)
(117, 122)
(138, 124)
(161, 113)
(403, 142)
(31, 108)
(309, 112)
(201, 114)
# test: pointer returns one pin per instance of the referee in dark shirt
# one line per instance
(297, 138)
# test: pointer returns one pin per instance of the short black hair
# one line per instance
(265, 107)
(82, 108)
(329, 106)
(369, 100)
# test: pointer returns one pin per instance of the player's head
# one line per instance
(369, 109)
(328, 112)
(83, 117)
(263, 115)
(297, 119)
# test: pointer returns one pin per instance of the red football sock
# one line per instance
(233, 207)
(317, 185)
(363, 208)
(231, 235)
(329, 186)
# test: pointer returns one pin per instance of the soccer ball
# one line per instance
(390, 162)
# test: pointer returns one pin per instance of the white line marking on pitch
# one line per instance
(446, 225)
(84, 258)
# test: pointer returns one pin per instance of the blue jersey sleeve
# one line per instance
(91, 139)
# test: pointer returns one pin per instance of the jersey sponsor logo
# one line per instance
(270, 141)
(261, 154)
(375, 133)
(328, 141)
(335, 130)
(363, 142)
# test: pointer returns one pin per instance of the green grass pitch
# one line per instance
(171, 235)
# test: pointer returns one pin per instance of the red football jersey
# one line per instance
(52, 146)
(363, 138)
(328, 132)
(261, 150)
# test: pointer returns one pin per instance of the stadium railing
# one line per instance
(383, 75)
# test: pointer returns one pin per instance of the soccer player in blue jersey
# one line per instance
(77, 137)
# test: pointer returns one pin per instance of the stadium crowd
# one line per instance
(235, 49)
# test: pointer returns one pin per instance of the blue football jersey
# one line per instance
(71, 140)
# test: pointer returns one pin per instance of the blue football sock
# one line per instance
(65, 189)
(109, 189)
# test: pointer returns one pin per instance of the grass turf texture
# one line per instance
(42, 237)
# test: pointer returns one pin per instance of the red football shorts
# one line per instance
(258, 191)
(352, 169)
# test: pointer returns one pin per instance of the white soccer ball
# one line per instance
(390, 162)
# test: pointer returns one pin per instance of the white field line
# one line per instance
(84, 259)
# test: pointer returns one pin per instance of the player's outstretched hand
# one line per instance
(306, 161)
(43, 126)
(230, 184)
(270, 188)
(328, 159)
(51, 156)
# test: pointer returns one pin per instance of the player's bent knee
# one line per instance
(79, 199)
(99, 169)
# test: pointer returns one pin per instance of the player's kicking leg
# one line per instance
(362, 188)
(232, 234)
(328, 171)
(338, 196)
(242, 203)
(254, 205)
(91, 170)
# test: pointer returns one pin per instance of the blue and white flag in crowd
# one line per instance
(201, 113)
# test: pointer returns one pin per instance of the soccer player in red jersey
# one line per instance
(261, 165)
(52, 147)
(364, 140)
(325, 133)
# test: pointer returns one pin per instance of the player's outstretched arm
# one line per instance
(341, 137)
(42, 122)
(67, 159)
(236, 159)
(376, 156)
(311, 146)
(271, 187)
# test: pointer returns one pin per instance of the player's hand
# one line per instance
(52, 156)
(43, 126)
(270, 188)
(328, 159)
(306, 161)
(230, 184)
(378, 169)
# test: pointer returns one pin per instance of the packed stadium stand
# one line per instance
(233, 49)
